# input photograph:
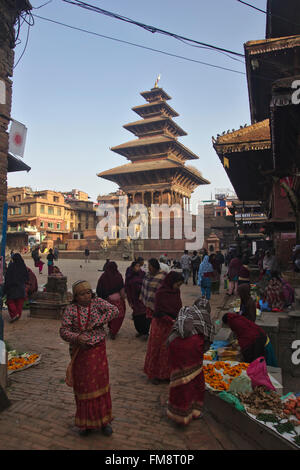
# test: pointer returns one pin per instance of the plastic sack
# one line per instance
(240, 384)
(258, 374)
(229, 398)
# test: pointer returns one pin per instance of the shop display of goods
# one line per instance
(228, 354)
(18, 361)
(292, 408)
(241, 384)
(220, 374)
(267, 418)
(287, 427)
(210, 355)
(261, 399)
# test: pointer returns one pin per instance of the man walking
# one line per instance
(186, 264)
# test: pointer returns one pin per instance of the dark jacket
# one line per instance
(15, 279)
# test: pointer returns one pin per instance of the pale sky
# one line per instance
(75, 91)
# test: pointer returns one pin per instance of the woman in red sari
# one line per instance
(83, 327)
(133, 285)
(166, 307)
(191, 336)
(110, 287)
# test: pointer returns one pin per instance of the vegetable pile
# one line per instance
(262, 399)
(292, 408)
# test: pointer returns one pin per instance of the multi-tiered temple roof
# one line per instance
(157, 172)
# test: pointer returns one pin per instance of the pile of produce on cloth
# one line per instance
(18, 361)
(278, 413)
(218, 375)
(223, 351)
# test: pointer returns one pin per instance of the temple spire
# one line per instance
(156, 81)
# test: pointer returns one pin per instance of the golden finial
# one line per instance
(156, 82)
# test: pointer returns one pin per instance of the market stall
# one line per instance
(236, 397)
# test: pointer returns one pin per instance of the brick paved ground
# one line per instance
(42, 411)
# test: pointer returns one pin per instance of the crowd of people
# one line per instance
(177, 335)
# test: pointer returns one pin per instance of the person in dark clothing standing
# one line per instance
(196, 260)
(220, 259)
(50, 259)
(87, 255)
(16, 278)
(248, 305)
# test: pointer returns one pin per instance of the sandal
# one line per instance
(107, 430)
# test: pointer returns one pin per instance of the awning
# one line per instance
(15, 164)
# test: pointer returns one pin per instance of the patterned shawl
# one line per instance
(199, 315)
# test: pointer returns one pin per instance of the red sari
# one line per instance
(115, 324)
(166, 308)
(187, 385)
(88, 372)
(91, 388)
(109, 287)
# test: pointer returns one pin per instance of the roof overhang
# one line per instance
(15, 164)
(268, 60)
(246, 155)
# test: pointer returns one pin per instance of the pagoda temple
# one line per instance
(157, 173)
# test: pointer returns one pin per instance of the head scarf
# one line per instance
(17, 268)
(205, 266)
(200, 318)
(80, 286)
(167, 299)
(110, 282)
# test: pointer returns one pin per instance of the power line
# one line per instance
(27, 39)
(268, 13)
(152, 29)
(43, 5)
(140, 46)
(252, 6)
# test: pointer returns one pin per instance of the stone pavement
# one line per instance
(41, 416)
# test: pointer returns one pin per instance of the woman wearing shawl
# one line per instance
(83, 327)
(110, 287)
(133, 285)
(16, 278)
(205, 274)
(151, 283)
(190, 338)
(248, 305)
(31, 285)
(233, 274)
(166, 308)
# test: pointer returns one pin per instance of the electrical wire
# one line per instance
(267, 13)
(43, 5)
(140, 46)
(27, 39)
(152, 29)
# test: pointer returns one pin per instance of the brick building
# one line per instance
(47, 216)
(10, 11)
